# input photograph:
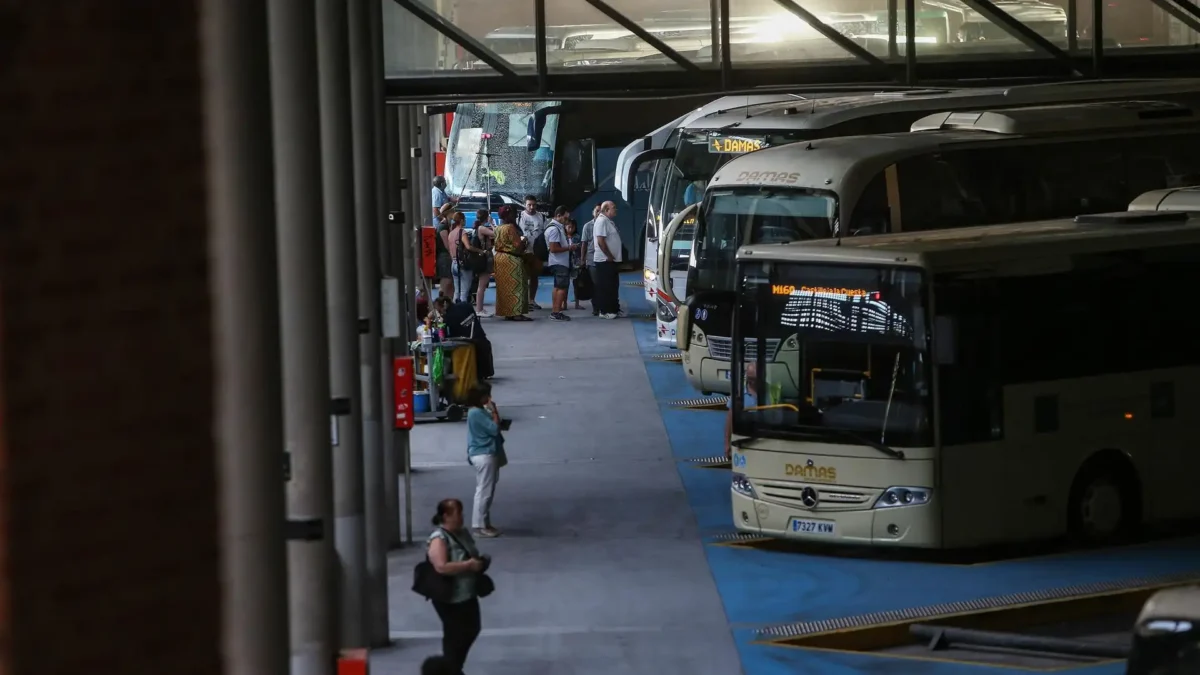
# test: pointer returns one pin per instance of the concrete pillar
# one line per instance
(385, 161)
(366, 208)
(419, 213)
(305, 341)
(333, 50)
(246, 336)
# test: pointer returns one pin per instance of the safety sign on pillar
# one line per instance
(402, 382)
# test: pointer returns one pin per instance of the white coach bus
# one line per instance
(681, 158)
(967, 387)
(954, 169)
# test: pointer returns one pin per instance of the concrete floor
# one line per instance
(601, 569)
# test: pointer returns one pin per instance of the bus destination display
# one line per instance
(732, 145)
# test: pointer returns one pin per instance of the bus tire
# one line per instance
(1105, 503)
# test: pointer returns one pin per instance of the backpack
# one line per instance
(475, 262)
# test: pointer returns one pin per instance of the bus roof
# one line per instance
(831, 163)
(1169, 199)
(993, 245)
(821, 110)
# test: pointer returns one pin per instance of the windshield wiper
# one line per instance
(820, 432)
(863, 440)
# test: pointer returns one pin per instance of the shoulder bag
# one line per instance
(431, 585)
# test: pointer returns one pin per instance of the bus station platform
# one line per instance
(619, 552)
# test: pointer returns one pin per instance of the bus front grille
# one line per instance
(829, 498)
(722, 348)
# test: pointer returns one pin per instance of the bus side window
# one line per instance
(871, 214)
(1077, 177)
(935, 194)
(970, 388)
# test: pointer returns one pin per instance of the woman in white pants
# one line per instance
(485, 452)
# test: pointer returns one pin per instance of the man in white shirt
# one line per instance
(532, 224)
(559, 260)
(607, 253)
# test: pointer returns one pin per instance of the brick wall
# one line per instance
(105, 364)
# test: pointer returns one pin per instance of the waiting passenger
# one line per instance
(482, 238)
(452, 553)
(582, 290)
(749, 400)
(586, 253)
(485, 452)
(512, 280)
(561, 248)
(606, 258)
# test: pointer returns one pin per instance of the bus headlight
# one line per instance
(698, 338)
(666, 313)
(902, 496)
(741, 485)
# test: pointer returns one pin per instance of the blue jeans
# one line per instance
(463, 278)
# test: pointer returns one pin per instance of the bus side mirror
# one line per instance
(945, 343)
(683, 326)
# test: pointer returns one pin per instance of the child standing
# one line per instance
(573, 239)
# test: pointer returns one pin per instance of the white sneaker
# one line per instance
(608, 316)
(483, 314)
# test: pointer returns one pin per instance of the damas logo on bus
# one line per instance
(811, 471)
(780, 177)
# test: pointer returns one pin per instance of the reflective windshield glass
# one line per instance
(840, 348)
(700, 153)
(733, 218)
(491, 140)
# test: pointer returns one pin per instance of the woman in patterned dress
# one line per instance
(512, 285)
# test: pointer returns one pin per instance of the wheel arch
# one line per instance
(1120, 464)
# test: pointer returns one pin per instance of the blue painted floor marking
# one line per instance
(760, 588)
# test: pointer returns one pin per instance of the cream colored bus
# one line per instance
(971, 386)
(954, 169)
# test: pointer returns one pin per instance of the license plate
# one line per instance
(723, 374)
(806, 526)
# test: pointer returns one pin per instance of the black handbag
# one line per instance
(430, 585)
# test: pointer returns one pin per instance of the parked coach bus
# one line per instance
(562, 153)
(967, 387)
(682, 157)
(954, 169)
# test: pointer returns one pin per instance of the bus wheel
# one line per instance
(1103, 503)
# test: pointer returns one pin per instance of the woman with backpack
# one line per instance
(469, 258)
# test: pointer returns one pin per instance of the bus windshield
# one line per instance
(514, 170)
(844, 350)
(733, 218)
(699, 154)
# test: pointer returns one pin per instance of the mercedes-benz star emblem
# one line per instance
(809, 497)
